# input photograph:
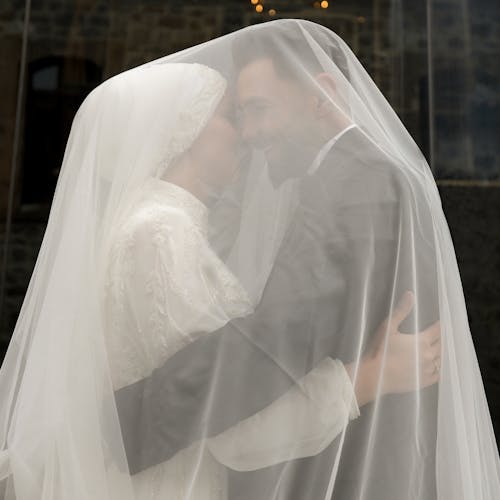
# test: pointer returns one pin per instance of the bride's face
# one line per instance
(218, 150)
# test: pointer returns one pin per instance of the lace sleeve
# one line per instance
(300, 423)
(173, 289)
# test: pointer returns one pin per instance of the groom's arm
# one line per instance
(382, 235)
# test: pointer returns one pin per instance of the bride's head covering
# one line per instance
(332, 383)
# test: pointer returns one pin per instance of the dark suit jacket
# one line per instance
(362, 235)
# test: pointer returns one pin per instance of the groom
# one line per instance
(166, 412)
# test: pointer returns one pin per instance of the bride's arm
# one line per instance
(300, 423)
(167, 411)
(165, 389)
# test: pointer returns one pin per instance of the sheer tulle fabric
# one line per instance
(218, 308)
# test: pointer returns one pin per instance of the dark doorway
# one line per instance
(56, 88)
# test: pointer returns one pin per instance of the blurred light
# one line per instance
(254, 2)
(324, 4)
(259, 8)
(361, 19)
(272, 12)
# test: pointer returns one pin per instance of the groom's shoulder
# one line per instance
(355, 148)
(357, 164)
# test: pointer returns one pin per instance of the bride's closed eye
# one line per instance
(232, 115)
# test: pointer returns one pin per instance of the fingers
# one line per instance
(403, 308)
(431, 350)
(430, 378)
(431, 367)
(432, 333)
(437, 362)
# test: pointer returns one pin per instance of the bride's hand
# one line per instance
(405, 355)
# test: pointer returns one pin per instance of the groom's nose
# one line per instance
(248, 131)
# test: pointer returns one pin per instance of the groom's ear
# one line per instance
(327, 93)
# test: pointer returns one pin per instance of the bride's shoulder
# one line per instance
(149, 219)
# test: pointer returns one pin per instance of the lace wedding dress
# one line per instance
(165, 283)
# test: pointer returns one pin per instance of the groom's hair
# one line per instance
(284, 43)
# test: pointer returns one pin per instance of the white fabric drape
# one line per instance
(218, 307)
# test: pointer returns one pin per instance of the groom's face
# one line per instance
(276, 116)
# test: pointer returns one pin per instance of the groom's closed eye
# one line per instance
(254, 106)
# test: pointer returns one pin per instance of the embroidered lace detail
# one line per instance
(164, 283)
(194, 118)
(119, 273)
(159, 190)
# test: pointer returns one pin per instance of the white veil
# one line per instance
(304, 395)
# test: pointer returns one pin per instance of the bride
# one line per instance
(164, 281)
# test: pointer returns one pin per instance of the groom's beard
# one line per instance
(290, 160)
